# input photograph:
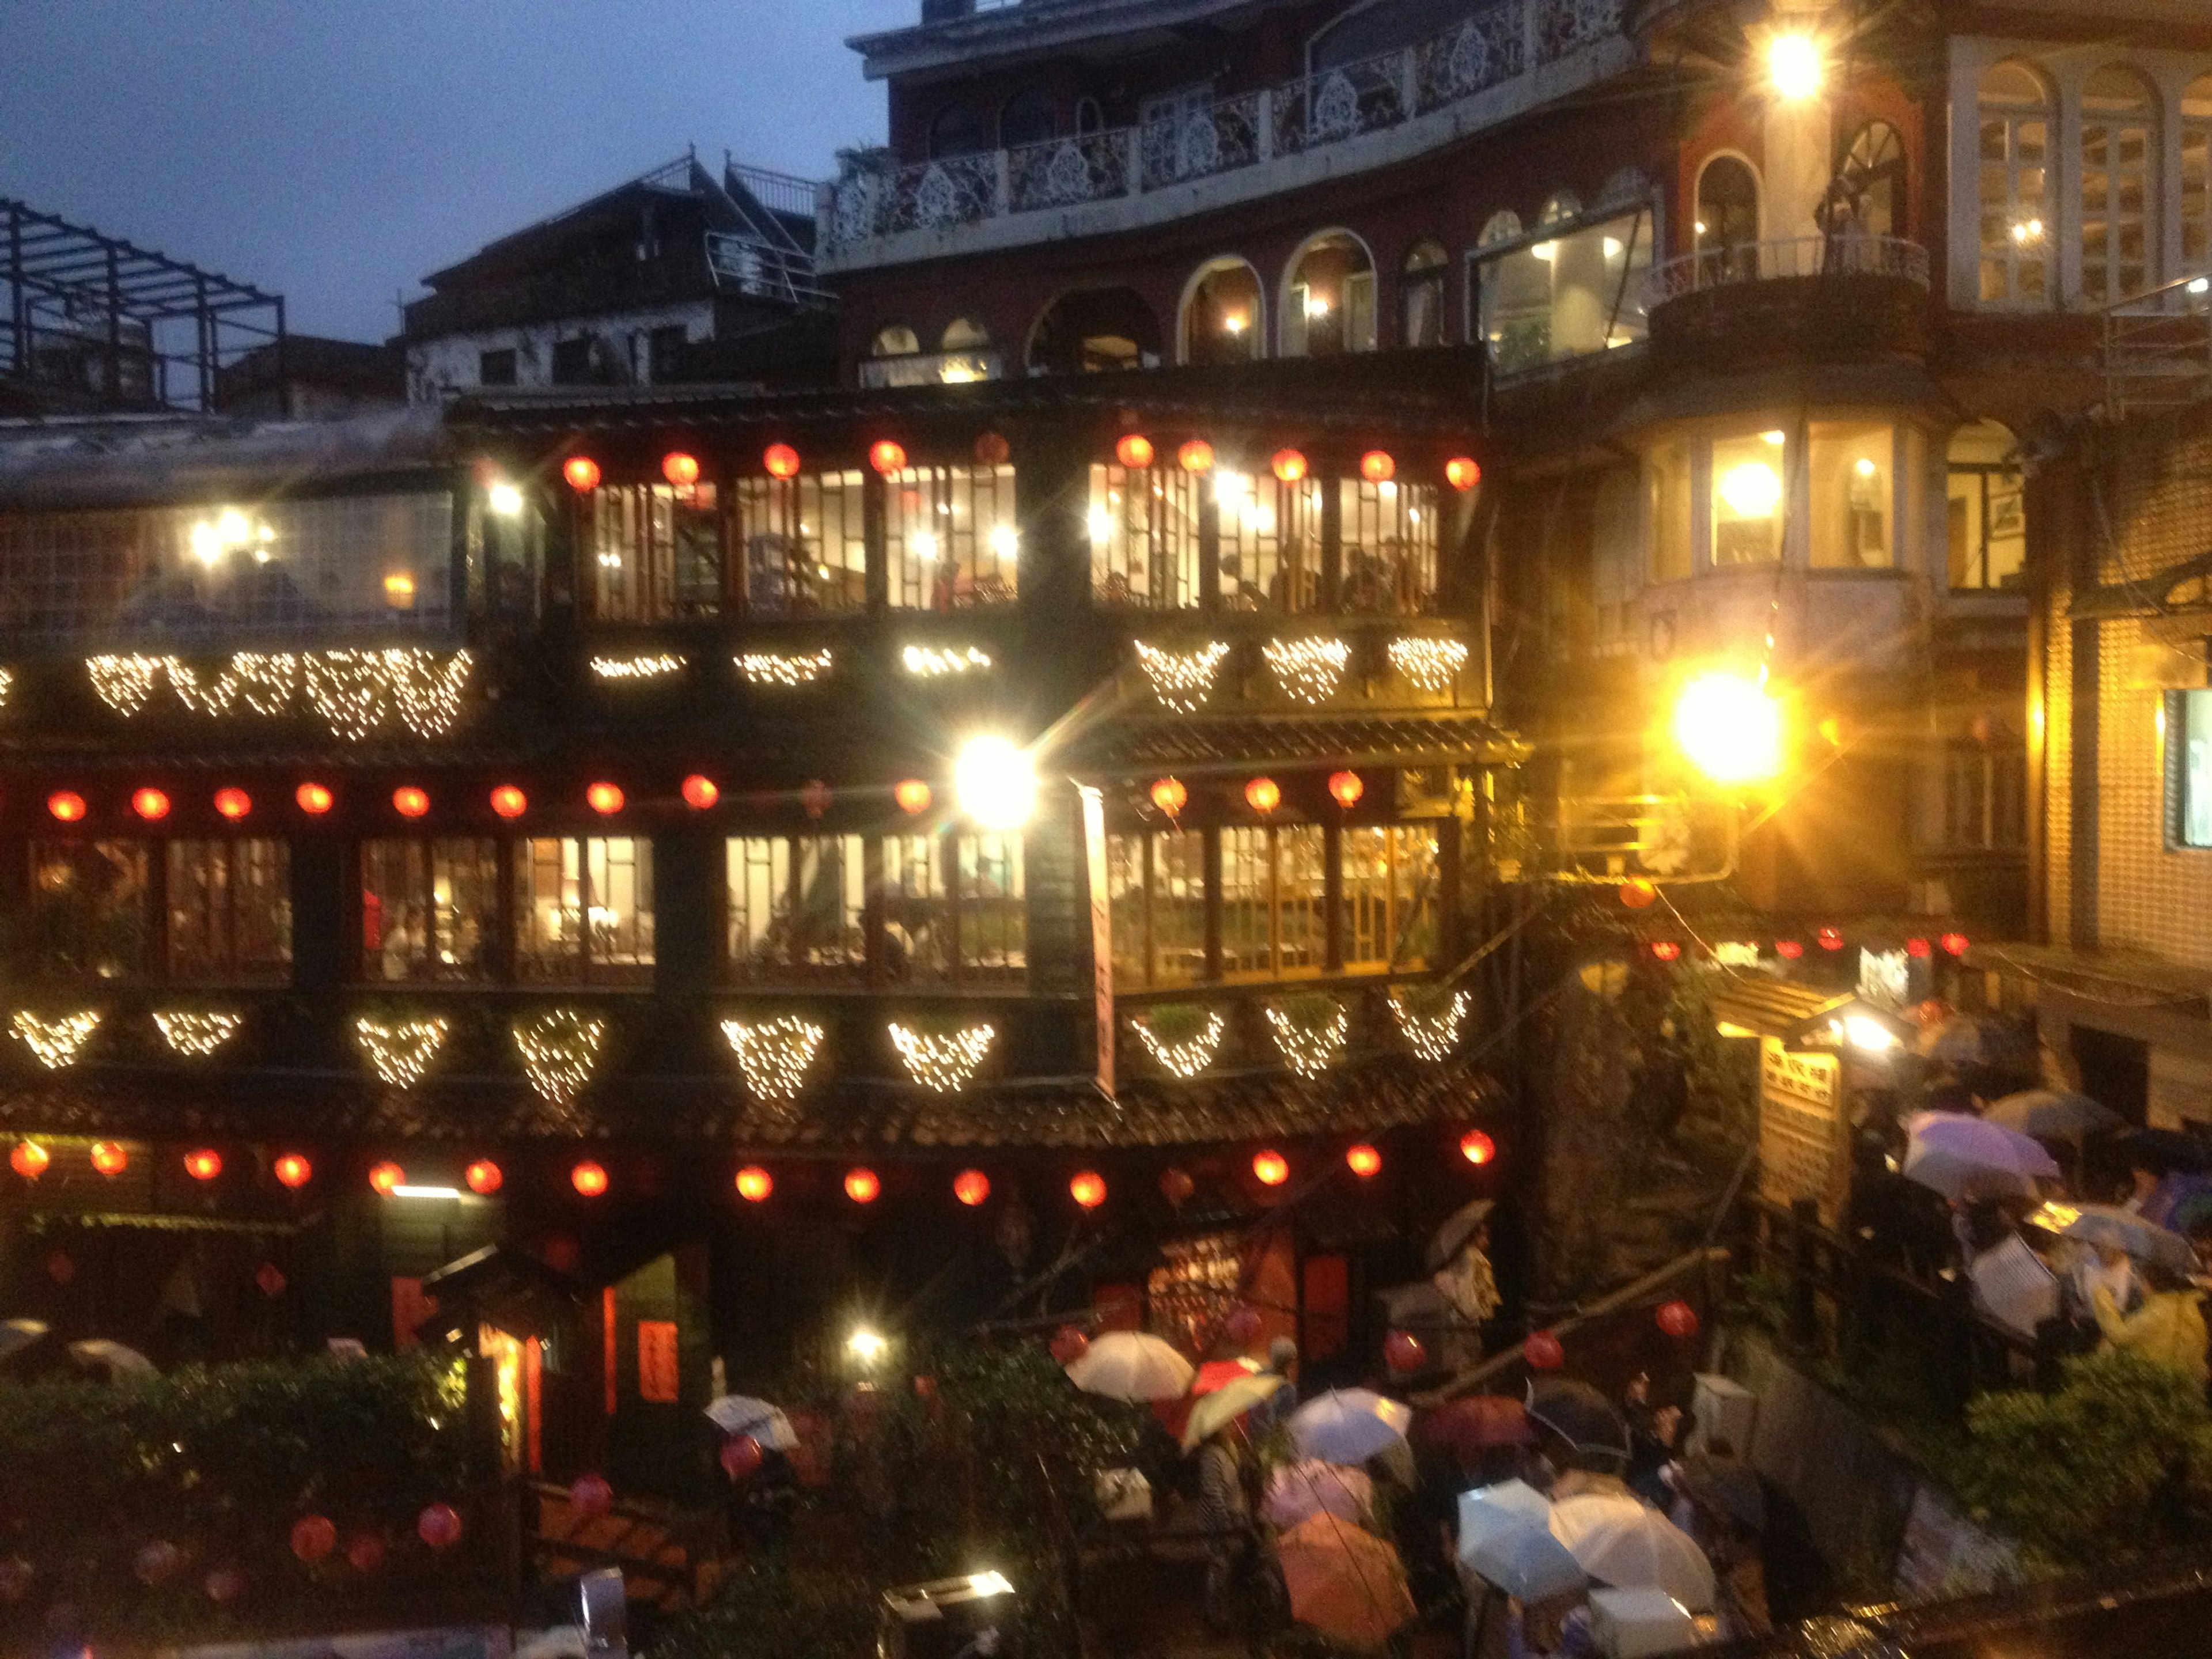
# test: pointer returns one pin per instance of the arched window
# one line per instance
(1092, 330)
(2197, 177)
(964, 334)
(1089, 118)
(1564, 205)
(895, 340)
(1987, 509)
(1222, 320)
(959, 129)
(1502, 227)
(2015, 186)
(1027, 118)
(1868, 194)
(1727, 225)
(1421, 295)
(1329, 298)
(2118, 233)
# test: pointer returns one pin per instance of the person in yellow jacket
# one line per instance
(2168, 1328)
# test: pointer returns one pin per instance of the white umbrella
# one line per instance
(1297, 1490)
(17, 1335)
(1963, 1157)
(735, 1414)
(1131, 1365)
(1349, 1425)
(1505, 1539)
(98, 1353)
(1500, 1508)
(1625, 1542)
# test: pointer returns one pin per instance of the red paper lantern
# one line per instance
(1476, 1148)
(700, 791)
(1955, 944)
(1402, 1351)
(1666, 950)
(61, 1267)
(680, 469)
(1263, 794)
(1788, 949)
(1377, 467)
(1270, 1167)
(590, 1497)
(1931, 1013)
(1169, 795)
(293, 1170)
(1362, 1160)
(109, 1159)
(1288, 465)
(815, 796)
(1831, 939)
(740, 1456)
(439, 1527)
(225, 1585)
(582, 473)
(887, 457)
(755, 1184)
(269, 1279)
(1176, 1186)
(1638, 893)
(1088, 1189)
(1069, 1344)
(157, 1563)
(1196, 455)
(508, 801)
(484, 1177)
(913, 796)
(409, 802)
(1544, 1351)
(589, 1178)
(232, 804)
(203, 1163)
(29, 1159)
(991, 449)
(66, 804)
(1462, 473)
(1678, 1319)
(1918, 947)
(604, 799)
(862, 1186)
(365, 1553)
(1346, 787)
(314, 798)
(781, 461)
(1134, 451)
(1242, 1327)
(386, 1178)
(971, 1186)
(314, 1537)
(149, 804)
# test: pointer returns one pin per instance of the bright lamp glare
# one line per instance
(1868, 1034)
(1793, 64)
(1752, 490)
(866, 1347)
(995, 784)
(1730, 729)
(505, 500)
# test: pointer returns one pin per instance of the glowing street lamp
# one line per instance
(1729, 728)
(994, 783)
(1793, 67)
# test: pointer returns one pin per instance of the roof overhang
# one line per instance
(1805, 1018)
(1032, 28)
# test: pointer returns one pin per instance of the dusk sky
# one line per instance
(335, 150)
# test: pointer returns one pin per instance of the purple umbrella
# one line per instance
(1298, 1492)
(1967, 1157)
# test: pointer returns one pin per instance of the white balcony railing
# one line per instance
(1797, 255)
(1498, 41)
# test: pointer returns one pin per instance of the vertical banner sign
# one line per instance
(1102, 930)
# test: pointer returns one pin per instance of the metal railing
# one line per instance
(759, 269)
(2158, 348)
(1497, 42)
(779, 192)
(1793, 257)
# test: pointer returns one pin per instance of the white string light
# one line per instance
(56, 1041)
(197, 1036)
(653, 666)
(943, 1065)
(560, 1051)
(1311, 1050)
(1308, 670)
(1187, 1058)
(1182, 680)
(931, 664)
(7, 685)
(401, 1054)
(776, 668)
(775, 1053)
(123, 682)
(1433, 1036)
(1432, 665)
(356, 693)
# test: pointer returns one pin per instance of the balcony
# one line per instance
(1503, 58)
(2158, 349)
(1828, 298)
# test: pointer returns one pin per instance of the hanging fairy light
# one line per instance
(928, 663)
(123, 683)
(55, 1043)
(1182, 680)
(775, 1053)
(1308, 671)
(1309, 1048)
(1189, 1056)
(560, 1050)
(645, 665)
(1428, 665)
(403, 1052)
(1432, 1036)
(356, 693)
(944, 1064)
(194, 1034)
(784, 668)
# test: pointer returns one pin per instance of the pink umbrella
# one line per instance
(1298, 1492)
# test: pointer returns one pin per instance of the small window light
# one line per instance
(399, 591)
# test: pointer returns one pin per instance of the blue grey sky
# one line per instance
(335, 150)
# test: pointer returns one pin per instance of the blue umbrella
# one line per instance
(1527, 1563)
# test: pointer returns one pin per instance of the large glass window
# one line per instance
(1270, 542)
(806, 544)
(2014, 187)
(1986, 512)
(230, 910)
(1156, 886)
(1854, 496)
(1564, 291)
(1668, 500)
(952, 539)
(429, 909)
(1222, 317)
(2189, 716)
(1985, 795)
(994, 917)
(1747, 495)
(1274, 902)
(1144, 536)
(2196, 176)
(87, 915)
(796, 908)
(583, 910)
(917, 908)
(1421, 295)
(1328, 305)
(2115, 186)
(656, 552)
(1390, 897)
(1726, 232)
(1388, 533)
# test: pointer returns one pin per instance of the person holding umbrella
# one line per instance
(1227, 1519)
(2167, 1329)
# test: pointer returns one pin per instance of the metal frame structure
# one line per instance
(98, 323)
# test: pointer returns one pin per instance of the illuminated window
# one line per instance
(1986, 793)
(951, 537)
(1987, 509)
(1668, 493)
(2189, 767)
(806, 544)
(429, 909)
(1871, 186)
(655, 552)
(1852, 472)
(796, 908)
(1270, 542)
(88, 913)
(2014, 187)
(1223, 318)
(1421, 295)
(1329, 304)
(230, 910)
(1156, 886)
(1143, 528)
(992, 921)
(1390, 897)
(1726, 230)
(2196, 176)
(1273, 902)
(1389, 546)
(1747, 497)
(2117, 233)
(583, 911)
(1568, 289)
(917, 908)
